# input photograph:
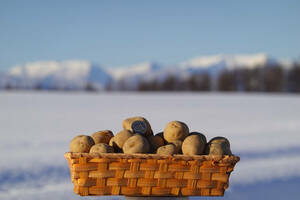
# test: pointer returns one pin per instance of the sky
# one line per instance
(117, 33)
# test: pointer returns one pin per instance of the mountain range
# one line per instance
(77, 74)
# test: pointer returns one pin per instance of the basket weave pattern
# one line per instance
(150, 174)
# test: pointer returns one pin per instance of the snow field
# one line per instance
(36, 129)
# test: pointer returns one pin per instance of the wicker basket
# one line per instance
(149, 174)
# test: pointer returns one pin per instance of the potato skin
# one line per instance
(128, 122)
(194, 144)
(218, 146)
(81, 144)
(178, 145)
(166, 150)
(118, 140)
(220, 140)
(155, 142)
(101, 148)
(136, 144)
(175, 130)
(102, 136)
(161, 134)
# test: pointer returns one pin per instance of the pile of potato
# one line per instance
(137, 137)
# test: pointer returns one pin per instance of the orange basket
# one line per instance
(150, 174)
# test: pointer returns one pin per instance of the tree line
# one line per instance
(259, 79)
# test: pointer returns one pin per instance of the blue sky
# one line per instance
(114, 33)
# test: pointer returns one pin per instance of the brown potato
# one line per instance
(199, 134)
(161, 134)
(220, 140)
(194, 144)
(118, 140)
(178, 145)
(195, 133)
(81, 144)
(218, 146)
(145, 131)
(110, 141)
(175, 130)
(155, 142)
(102, 136)
(101, 148)
(136, 144)
(168, 149)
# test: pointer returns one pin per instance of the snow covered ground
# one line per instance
(35, 130)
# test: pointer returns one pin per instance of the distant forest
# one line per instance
(259, 79)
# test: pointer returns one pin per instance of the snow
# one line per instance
(133, 75)
(229, 61)
(75, 74)
(134, 70)
(36, 129)
(282, 167)
(287, 64)
(65, 74)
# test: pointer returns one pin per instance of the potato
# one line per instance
(218, 149)
(178, 145)
(118, 141)
(220, 140)
(168, 149)
(194, 144)
(101, 148)
(199, 134)
(161, 134)
(111, 142)
(81, 144)
(175, 130)
(136, 144)
(138, 125)
(195, 133)
(218, 146)
(102, 136)
(155, 142)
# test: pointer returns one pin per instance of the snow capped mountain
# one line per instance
(71, 74)
(215, 64)
(140, 69)
(76, 74)
(287, 64)
(134, 74)
(229, 61)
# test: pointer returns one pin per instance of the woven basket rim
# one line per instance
(217, 158)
